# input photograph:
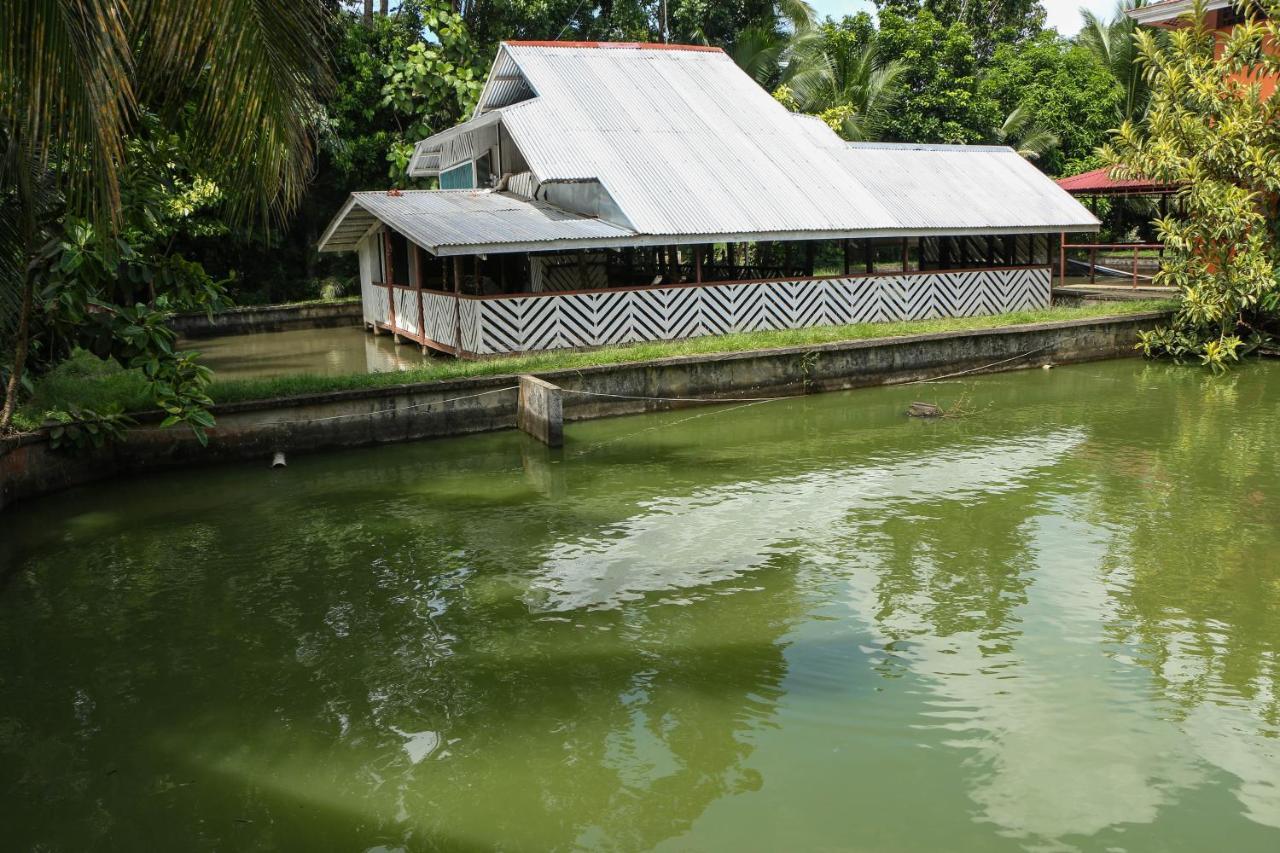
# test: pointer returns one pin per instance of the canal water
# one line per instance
(1051, 622)
(325, 352)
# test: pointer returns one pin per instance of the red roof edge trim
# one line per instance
(625, 45)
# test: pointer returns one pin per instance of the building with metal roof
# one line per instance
(597, 177)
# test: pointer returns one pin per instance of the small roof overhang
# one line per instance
(466, 222)
(1099, 182)
(1168, 12)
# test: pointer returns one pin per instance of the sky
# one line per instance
(1062, 14)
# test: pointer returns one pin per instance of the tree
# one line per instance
(1210, 131)
(1060, 87)
(836, 72)
(992, 22)
(428, 85)
(1112, 44)
(1021, 133)
(238, 78)
(942, 102)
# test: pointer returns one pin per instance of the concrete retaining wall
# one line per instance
(268, 318)
(28, 467)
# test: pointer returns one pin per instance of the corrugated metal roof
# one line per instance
(448, 222)
(1098, 182)
(687, 144)
(690, 148)
(937, 187)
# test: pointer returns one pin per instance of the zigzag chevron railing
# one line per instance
(523, 323)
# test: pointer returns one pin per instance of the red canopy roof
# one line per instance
(1096, 182)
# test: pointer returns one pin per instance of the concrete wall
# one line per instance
(408, 412)
(268, 318)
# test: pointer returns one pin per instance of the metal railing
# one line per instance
(1134, 250)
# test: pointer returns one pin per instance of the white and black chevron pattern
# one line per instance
(524, 323)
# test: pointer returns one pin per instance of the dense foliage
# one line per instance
(1210, 130)
(120, 122)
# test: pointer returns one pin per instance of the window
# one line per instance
(459, 177)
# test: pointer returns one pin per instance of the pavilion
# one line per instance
(607, 193)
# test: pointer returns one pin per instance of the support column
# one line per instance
(457, 305)
(1061, 260)
(868, 256)
(415, 273)
(906, 254)
(540, 410)
(389, 274)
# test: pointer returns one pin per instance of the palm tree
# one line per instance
(1028, 138)
(764, 49)
(240, 76)
(1113, 44)
(854, 91)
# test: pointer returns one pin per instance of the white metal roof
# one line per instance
(688, 144)
(691, 149)
(451, 222)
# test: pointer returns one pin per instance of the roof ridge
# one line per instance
(616, 45)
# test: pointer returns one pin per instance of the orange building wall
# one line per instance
(1267, 82)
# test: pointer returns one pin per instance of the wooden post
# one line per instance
(1135, 267)
(697, 264)
(1093, 265)
(390, 276)
(810, 252)
(457, 306)
(415, 272)
(906, 254)
(868, 257)
(844, 247)
(1062, 259)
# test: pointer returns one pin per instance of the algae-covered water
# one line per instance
(1052, 623)
(327, 352)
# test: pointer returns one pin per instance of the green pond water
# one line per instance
(329, 352)
(1051, 624)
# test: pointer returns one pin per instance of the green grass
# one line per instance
(91, 383)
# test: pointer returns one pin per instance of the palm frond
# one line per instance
(253, 70)
(757, 51)
(800, 14)
(66, 91)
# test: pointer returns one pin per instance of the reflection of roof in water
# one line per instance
(665, 548)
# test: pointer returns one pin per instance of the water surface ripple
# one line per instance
(1051, 624)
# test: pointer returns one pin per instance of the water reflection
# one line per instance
(809, 625)
(327, 352)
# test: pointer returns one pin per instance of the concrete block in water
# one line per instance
(540, 410)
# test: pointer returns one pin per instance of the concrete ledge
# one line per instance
(254, 430)
(269, 318)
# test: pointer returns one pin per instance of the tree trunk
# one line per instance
(368, 13)
(382, 8)
(19, 356)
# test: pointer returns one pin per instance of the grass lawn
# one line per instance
(91, 383)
